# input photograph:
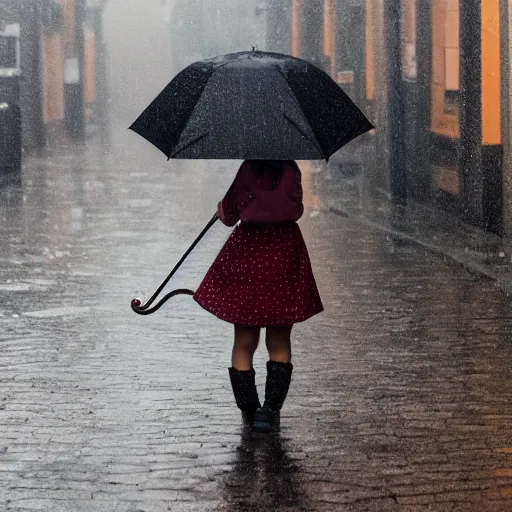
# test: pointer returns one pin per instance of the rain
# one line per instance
(123, 129)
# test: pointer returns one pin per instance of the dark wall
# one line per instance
(31, 75)
(29, 13)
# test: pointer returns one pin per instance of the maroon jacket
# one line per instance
(250, 198)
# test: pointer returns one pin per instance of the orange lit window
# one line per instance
(445, 67)
(408, 19)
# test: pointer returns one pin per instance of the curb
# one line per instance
(503, 282)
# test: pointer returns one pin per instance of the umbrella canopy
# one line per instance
(254, 106)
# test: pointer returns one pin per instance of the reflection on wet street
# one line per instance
(264, 477)
(402, 391)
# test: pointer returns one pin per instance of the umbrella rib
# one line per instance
(304, 134)
(316, 143)
(175, 152)
(188, 144)
(198, 138)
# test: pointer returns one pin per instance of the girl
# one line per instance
(262, 278)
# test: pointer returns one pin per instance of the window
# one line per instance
(445, 85)
(8, 52)
(408, 43)
(452, 57)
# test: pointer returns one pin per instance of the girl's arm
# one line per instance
(227, 209)
(294, 178)
(237, 196)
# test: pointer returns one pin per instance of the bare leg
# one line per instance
(278, 344)
(246, 343)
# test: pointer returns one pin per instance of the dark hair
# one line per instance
(275, 167)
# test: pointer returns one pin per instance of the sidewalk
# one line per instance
(346, 194)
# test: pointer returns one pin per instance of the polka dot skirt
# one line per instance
(261, 277)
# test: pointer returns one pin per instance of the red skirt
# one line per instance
(262, 277)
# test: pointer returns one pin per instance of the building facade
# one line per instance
(433, 76)
(60, 65)
(506, 111)
(443, 104)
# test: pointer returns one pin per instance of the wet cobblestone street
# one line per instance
(401, 398)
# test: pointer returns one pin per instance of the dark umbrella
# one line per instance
(251, 105)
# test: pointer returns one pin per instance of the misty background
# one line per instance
(149, 41)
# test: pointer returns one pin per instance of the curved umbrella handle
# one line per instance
(145, 309)
(136, 303)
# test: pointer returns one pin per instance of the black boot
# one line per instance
(278, 382)
(244, 389)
